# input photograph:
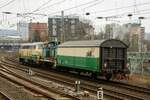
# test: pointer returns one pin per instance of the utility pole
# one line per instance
(141, 43)
(89, 28)
(130, 25)
(31, 38)
(62, 27)
(140, 35)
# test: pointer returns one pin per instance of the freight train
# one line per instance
(97, 57)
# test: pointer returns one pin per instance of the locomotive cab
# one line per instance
(49, 52)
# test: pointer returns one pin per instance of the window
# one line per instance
(33, 47)
(40, 46)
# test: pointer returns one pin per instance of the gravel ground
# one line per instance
(48, 83)
(140, 79)
(15, 92)
(2, 97)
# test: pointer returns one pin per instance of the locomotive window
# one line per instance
(21, 47)
(50, 45)
(33, 47)
(40, 46)
(25, 47)
(45, 45)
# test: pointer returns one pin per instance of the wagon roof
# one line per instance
(94, 43)
(33, 43)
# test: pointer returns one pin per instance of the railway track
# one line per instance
(3, 97)
(112, 89)
(33, 86)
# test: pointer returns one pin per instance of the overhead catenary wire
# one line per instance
(143, 13)
(37, 9)
(59, 2)
(119, 8)
(92, 5)
(67, 9)
(56, 3)
(77, 6)
(103, 10)
(7, 3)
(126, 13)
(97, 2)
(106, 10)
(89, 6)
(112, 16)
(24, 6)
(3, 2)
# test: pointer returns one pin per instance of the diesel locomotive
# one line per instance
(97, 57)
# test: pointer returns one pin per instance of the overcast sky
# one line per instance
(96, 8)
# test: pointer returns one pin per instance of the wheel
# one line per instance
(79, 72)
(108, 76)
(94, 75)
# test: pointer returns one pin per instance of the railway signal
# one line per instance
(30, 72)
(100, 94)
(77, 87)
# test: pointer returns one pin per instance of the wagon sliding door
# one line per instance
(113, 57)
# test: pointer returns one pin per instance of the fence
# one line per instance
(139, 62)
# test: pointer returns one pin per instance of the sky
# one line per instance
(114, 10)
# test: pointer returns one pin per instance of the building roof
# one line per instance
(94, 43)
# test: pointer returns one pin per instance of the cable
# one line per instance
(113, 16)
(96, 3)
(108, 10)
(89, 6)
(3, 2)
(143, 13)
(37, 9)
(67, 9)
(7, 3)
(79, 5)
(24, 6)
(59, 2)
(125, 14)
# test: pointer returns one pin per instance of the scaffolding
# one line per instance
(139, 62)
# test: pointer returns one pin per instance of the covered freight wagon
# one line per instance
(99, 57)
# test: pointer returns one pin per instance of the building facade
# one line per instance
(38, 32)
(71, 29)
(136, 36)
(23, 30)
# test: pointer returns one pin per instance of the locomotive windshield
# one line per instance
(50, 45)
